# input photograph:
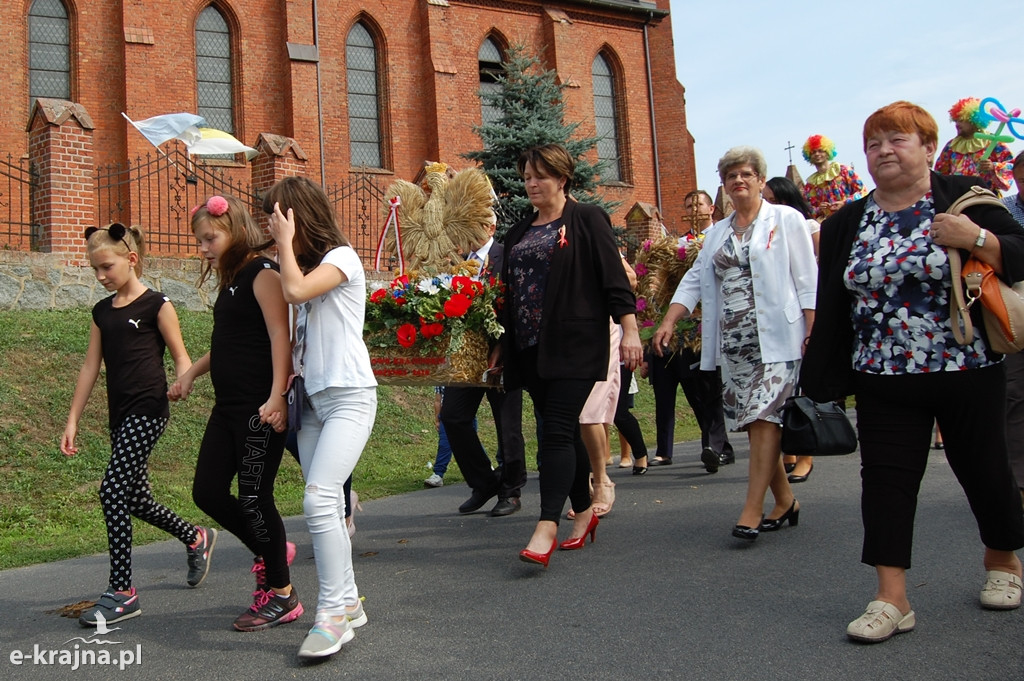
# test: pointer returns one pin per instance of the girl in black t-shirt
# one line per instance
(130, 331)
(249, 362)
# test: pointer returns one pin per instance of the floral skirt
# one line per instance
(753, 390)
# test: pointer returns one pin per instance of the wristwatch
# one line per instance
(980, 241)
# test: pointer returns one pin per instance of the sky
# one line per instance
(770, 73)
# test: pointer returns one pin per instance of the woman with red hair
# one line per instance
(883, 333)
(832, 184)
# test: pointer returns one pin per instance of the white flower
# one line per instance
(428, 286)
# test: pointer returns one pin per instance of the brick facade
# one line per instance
(140, 58)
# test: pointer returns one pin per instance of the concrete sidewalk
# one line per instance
(664, 593)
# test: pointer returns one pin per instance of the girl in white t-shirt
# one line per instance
(322, 275)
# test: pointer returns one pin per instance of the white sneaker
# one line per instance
(880, 622)
(1002, 591)
(434, 480)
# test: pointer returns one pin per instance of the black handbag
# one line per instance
(295, 394)
(816, 428)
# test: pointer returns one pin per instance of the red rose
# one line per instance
(406, 335)
(462, 284)
(378, 295)
(457, 305)
(431, 330)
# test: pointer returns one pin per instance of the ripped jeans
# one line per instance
(336, 424)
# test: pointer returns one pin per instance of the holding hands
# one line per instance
(275, 413)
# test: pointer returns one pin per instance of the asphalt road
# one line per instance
(664, 593)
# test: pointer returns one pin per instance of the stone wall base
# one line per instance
(47, 281)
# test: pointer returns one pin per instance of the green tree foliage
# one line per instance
(532, 113)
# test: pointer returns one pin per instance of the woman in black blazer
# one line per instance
(883, 333)
(563, 279)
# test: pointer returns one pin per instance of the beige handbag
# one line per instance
(1003, 305)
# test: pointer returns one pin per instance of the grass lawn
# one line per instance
(49, 506)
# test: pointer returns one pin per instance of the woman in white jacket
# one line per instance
(755, 278)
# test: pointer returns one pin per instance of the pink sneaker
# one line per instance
(269, 610)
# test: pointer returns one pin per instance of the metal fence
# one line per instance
(158, 192)
(16, 181)
(359, 206)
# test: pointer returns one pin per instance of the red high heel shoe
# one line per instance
(528, 556)
(574, 543)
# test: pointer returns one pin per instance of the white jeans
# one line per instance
(331, 440)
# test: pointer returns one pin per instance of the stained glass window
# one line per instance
(49, 53)
(490, 59)
(606, 118)
(213, 70)
(364, 128)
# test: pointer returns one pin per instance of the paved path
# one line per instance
(664, 593)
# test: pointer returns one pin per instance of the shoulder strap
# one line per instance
(975, 196)
(959, 306)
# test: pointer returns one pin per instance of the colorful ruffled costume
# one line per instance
(838, 183)
(961, 155)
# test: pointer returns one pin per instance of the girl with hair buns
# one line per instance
(249, 362)
(832, 185)
(130, 331)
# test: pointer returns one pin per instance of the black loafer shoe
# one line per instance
(709, 458)
(506, 506)
(476, 501)
(659, 462)
(726, 459)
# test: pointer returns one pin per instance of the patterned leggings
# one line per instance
(125, 492)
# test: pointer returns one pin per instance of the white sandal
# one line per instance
(1002, 591)
(880, 622)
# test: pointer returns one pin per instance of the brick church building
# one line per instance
(344, 91)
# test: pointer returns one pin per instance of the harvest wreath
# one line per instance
(660, 265)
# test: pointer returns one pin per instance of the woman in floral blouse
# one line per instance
(883, 333)
(832, 185)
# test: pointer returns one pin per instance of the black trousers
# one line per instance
(894, 423)
(566, 469)
(624, 419)
(458, 409)
(1015, 414)
(703, 390)
(237, 444)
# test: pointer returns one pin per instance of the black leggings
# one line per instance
(624, 419)
(125, 492)
(566, 469)
(894, 422)
(236, 443)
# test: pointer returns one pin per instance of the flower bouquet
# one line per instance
(660, 265)
(433, 329)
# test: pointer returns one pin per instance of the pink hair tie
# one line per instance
(192, 213)
(217, 206)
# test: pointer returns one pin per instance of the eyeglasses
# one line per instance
(116, 230)
(745, 175)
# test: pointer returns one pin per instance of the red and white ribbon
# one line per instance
(395, 202)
